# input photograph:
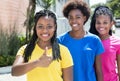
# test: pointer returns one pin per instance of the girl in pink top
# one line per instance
(101, 24)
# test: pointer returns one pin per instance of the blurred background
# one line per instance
(16, 23)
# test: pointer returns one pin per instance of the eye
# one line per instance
(39, 27)
(49, 27)
(78, 17)
(105, 22)
(97, 22)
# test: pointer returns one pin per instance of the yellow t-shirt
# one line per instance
(54, 71)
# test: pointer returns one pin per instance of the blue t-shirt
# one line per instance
(84, 52)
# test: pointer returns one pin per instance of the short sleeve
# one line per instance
(118, 52)
(66, 58)
(118, 48)
(21, 50)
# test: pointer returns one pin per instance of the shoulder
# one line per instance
(62, 35)
(21, 50)
(23, 47)
(62, 47)
(66, 58)
(115, 39)
(92, 36)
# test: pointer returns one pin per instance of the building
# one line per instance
(13, 15)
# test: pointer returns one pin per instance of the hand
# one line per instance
(45, 59)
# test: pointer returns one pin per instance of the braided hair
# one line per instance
(31, 45)
(101, 10)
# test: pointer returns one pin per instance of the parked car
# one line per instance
(117, 23)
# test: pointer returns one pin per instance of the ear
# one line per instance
(112, 23)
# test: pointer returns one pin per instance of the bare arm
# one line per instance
(118, 64)
(98, 68)
(68, 74)
(20, 68)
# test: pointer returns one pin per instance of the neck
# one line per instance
(43, 45)
(77, 34)
(104, 37)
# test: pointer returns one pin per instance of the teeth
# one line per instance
(74, 24)
(45, 35)
(101, 29)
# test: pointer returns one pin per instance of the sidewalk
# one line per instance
(8, 77)
(4, 70)
(5, 75)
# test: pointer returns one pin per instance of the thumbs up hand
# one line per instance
(45, 59)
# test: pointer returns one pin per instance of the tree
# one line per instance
(115, 7)
(29, 22)
(46, 4)
(96, 5)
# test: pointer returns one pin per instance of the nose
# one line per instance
(101, 25)
(45, 30)
(73, 20)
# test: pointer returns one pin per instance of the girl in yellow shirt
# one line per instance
(43, 59)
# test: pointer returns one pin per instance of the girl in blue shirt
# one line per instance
(85, 47)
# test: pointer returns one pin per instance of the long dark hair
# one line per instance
(100, 10)
(31, 45)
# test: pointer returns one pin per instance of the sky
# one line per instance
(92, 2)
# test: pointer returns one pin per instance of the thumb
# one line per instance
(46, 49)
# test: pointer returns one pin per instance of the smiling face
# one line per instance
(45, 28)
(76, 19)
(103, 24)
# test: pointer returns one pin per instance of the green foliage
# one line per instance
(46, 4)
(6, 60)
(115, 7)
(9, 45)
(3, 43)
(29, 22)
(13, 43)
(96, 5)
